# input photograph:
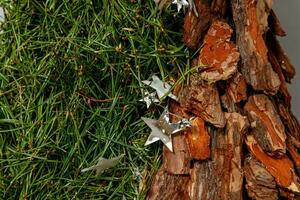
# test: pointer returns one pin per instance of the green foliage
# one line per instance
(54, 56)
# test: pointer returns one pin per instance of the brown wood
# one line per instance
(222, 176)
(293, 147)
(244, 142)
(202, 99)
(260, 184)
(237, 88)
(194, 29)
(236, 92)
(218, 56)
(198, 140)
(287, 194)
(291, 123)
(166, 186)
(177, 162)
(250, 30)
(280, 168)
(266, 125)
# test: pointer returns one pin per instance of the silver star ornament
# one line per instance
(162, 89)
(150, 98)
(162, 129)
(157, 134)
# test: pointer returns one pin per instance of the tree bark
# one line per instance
(244, 142)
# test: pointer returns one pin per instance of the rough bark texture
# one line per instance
(260, 184)
(198, 140)
(244, 141)
(293, 148)
(281, 168)
(194, 29)
(235, 93)
(237, 88)
(178, 161)
(202, 99)
(164, 183)
(250, 21)
(219, 56)
(291, 123)
(266, 125)
(222, 176)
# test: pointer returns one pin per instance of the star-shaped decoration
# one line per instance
(162, 129)
(157, 134)
(103, 164)
(161, 88)
(180, 4)
(150, 98)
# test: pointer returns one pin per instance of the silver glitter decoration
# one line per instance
(162, 89)
(150, 98)
(162, 129)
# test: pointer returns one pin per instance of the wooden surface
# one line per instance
(244, 142)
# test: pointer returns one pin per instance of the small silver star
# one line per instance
(150, 98)
(161, 88)
(180, 4)
(162, 129)
(103, 164)
(157, 134)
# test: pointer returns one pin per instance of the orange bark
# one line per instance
(251, 23)
(254, 30)
(237, 88)
(266, 124)
(219, 56)
(198, 140)
(280, 168)
(194, 29)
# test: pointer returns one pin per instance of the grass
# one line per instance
(58, 57)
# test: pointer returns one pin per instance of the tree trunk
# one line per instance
(244, 142)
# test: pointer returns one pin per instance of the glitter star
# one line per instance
(149, 98)
(157, 134)
(161, 88)
(162, 129)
